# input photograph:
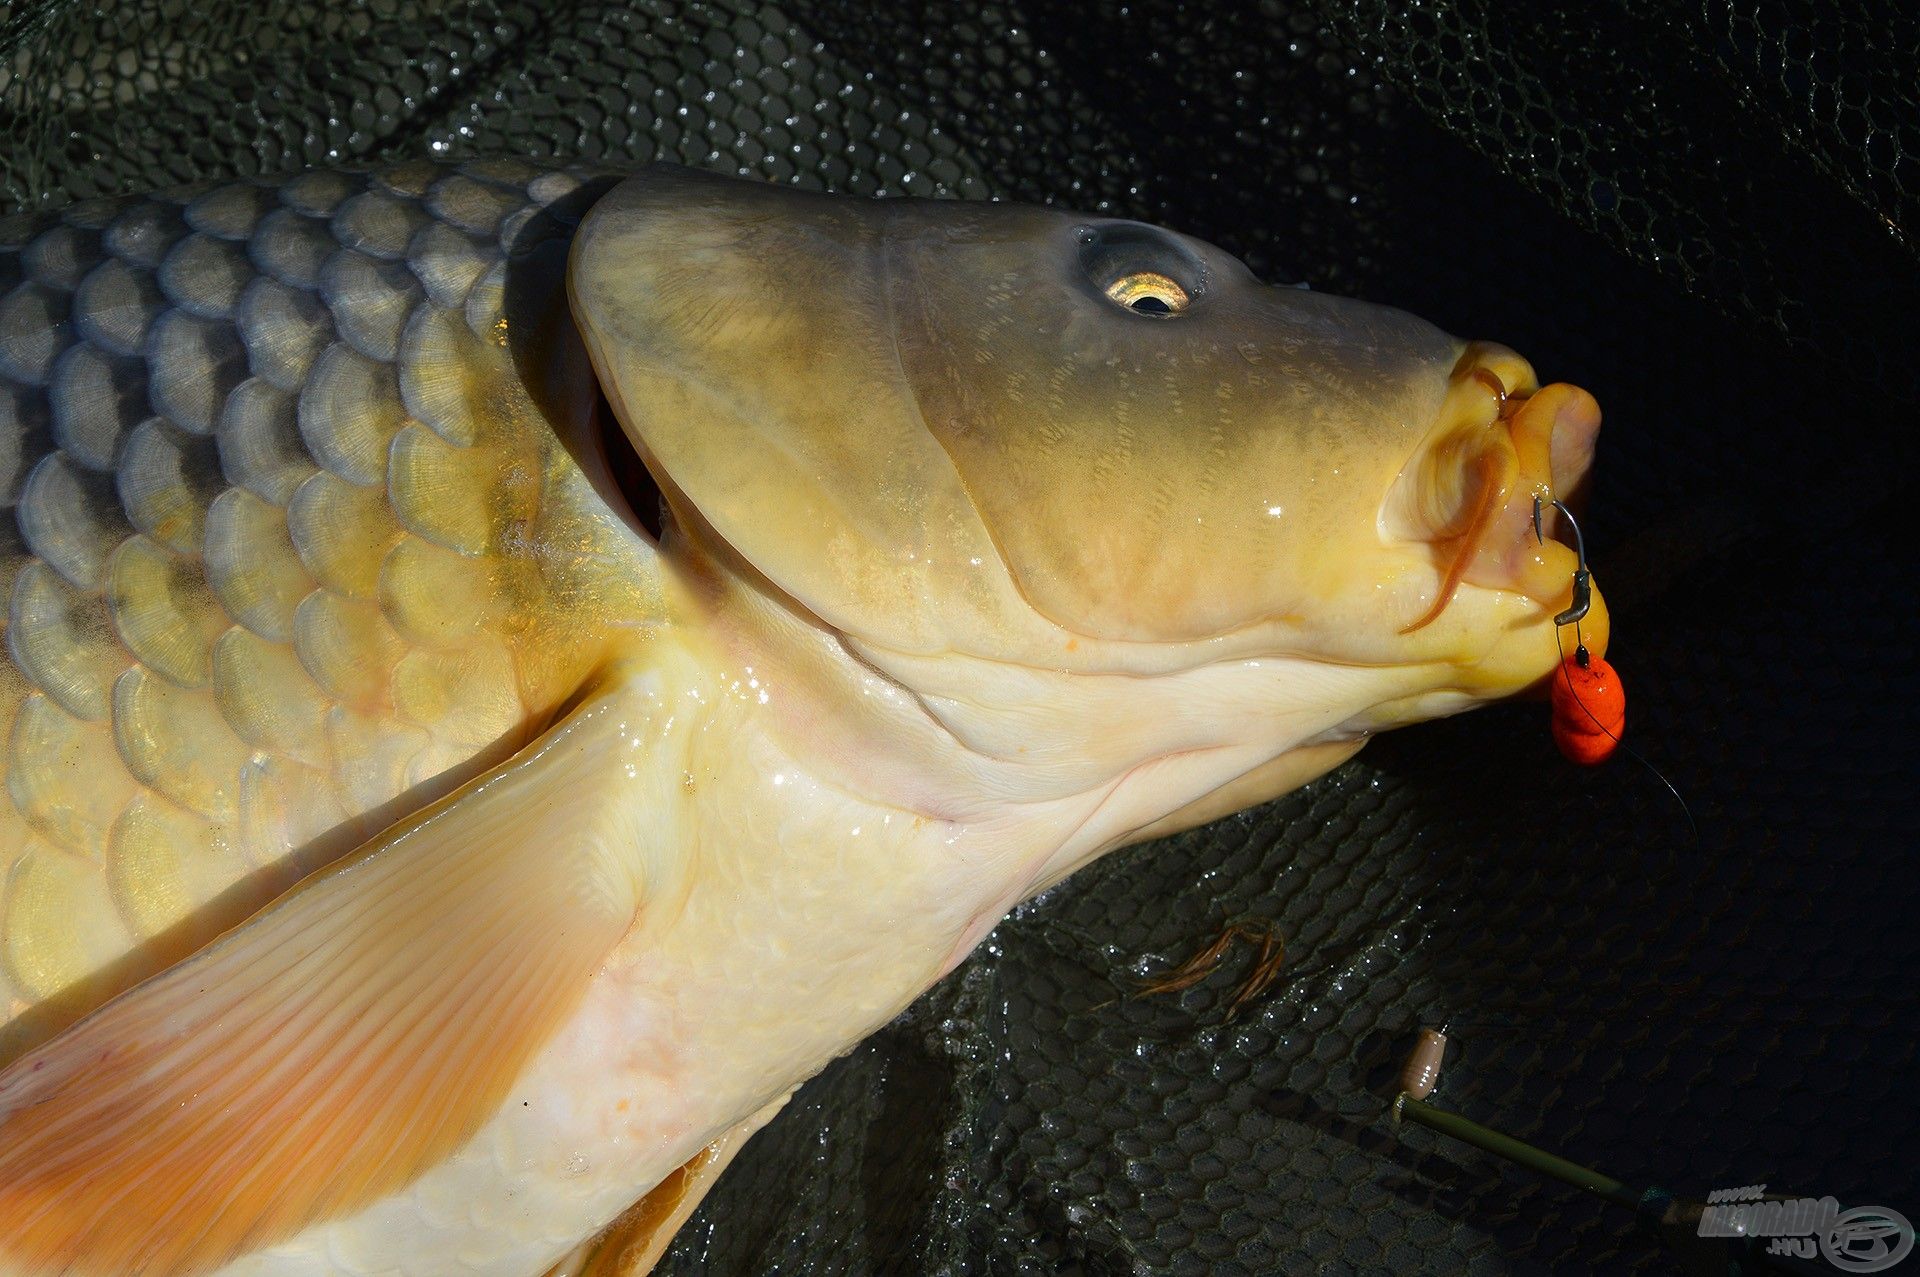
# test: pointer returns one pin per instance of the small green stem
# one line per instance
(1514, 1150)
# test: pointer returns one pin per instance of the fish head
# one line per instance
(1009, 437)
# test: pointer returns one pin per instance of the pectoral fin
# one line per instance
(334, 1047)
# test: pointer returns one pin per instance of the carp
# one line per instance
(511, 669)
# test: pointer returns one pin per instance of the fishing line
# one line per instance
(1630, 751)
(1582, 592)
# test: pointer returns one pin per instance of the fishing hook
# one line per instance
(1582, 575)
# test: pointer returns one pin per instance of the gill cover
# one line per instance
(992, 428)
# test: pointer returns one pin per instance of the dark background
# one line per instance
(1705, 214)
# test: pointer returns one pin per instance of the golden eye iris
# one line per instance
(1149, 293)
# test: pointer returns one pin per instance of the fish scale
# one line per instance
(896, 661)
(281, 518)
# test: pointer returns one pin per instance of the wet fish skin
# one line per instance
(287, 536)
(928, 626)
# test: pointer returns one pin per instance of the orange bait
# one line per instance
(1589, 709)
(1589, 705)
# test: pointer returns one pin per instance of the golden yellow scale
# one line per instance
(294, 539)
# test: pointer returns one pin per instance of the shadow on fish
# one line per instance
(420, 860)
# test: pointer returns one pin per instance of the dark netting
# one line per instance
(1706, 215)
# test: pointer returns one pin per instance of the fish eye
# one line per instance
(1149, 293)
(1141, 268)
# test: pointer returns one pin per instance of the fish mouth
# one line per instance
(1503, 447)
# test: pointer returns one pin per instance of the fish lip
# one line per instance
(1551, 432)
(1536, 442)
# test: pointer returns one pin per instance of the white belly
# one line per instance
(803, 923)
